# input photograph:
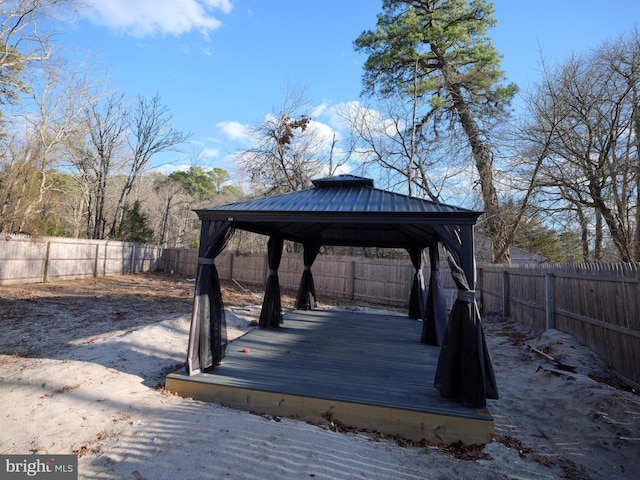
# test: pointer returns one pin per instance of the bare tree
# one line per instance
(60, 98)
(95, 150)
(17, 179)
(150, 133)
(24, 41)
(26, 30)
(390, 140)
(175, 222)
(591, 162)
(288, 149)
(55, 102)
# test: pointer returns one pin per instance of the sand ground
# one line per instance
(82, 365)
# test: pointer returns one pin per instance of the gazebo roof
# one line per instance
(344, 210)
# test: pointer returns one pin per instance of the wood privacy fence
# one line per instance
(360, 279)
(37, 260)
(599, 304)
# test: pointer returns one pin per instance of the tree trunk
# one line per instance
(496, 228)
(636, 234)
(616, 228)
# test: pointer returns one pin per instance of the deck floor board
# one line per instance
(363, 358)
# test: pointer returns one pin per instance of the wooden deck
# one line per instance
(364, 370)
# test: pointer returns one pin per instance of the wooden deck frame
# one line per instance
(367, 371)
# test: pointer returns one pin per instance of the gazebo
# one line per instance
(347, 210)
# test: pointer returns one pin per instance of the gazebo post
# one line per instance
(435, 318)
(464, 371)
(468, 256)
(418, 297)
(306, 297)
(271, 311)
(208, 331)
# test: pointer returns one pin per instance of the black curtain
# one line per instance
(435, 319)
(306, 298)
(465, 372)
(271, 313)
(208, 332)
(418, 297)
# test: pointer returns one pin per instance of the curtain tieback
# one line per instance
(467, 296)
(307, 268)
(205, 261)
(272, 272)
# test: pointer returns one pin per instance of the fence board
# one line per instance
(68, 261)
(381, 281)
(334, 278)
(528, 292)
(597, 303)
(37, 260)
(21, 261)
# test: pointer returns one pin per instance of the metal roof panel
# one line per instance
(356, 198)
(346, 211)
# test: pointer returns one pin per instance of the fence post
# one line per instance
(231, 255)
(505, 295)
(95, 262)
(176, 261)
(165, 257)
(132, 260)
(479, 286)
(46, 263)
(352, 280)
(265, 269)
(550, 305)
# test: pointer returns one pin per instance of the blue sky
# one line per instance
(219, 65)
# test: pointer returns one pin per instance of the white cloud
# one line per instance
(319, 110)
(234, 130)
(169, 168)
(208, 153)
(360, 116)
(336, 114)
(343, 170)
(324, 133)
(142, 18)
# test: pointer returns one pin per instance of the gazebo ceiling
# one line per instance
(345, 210)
